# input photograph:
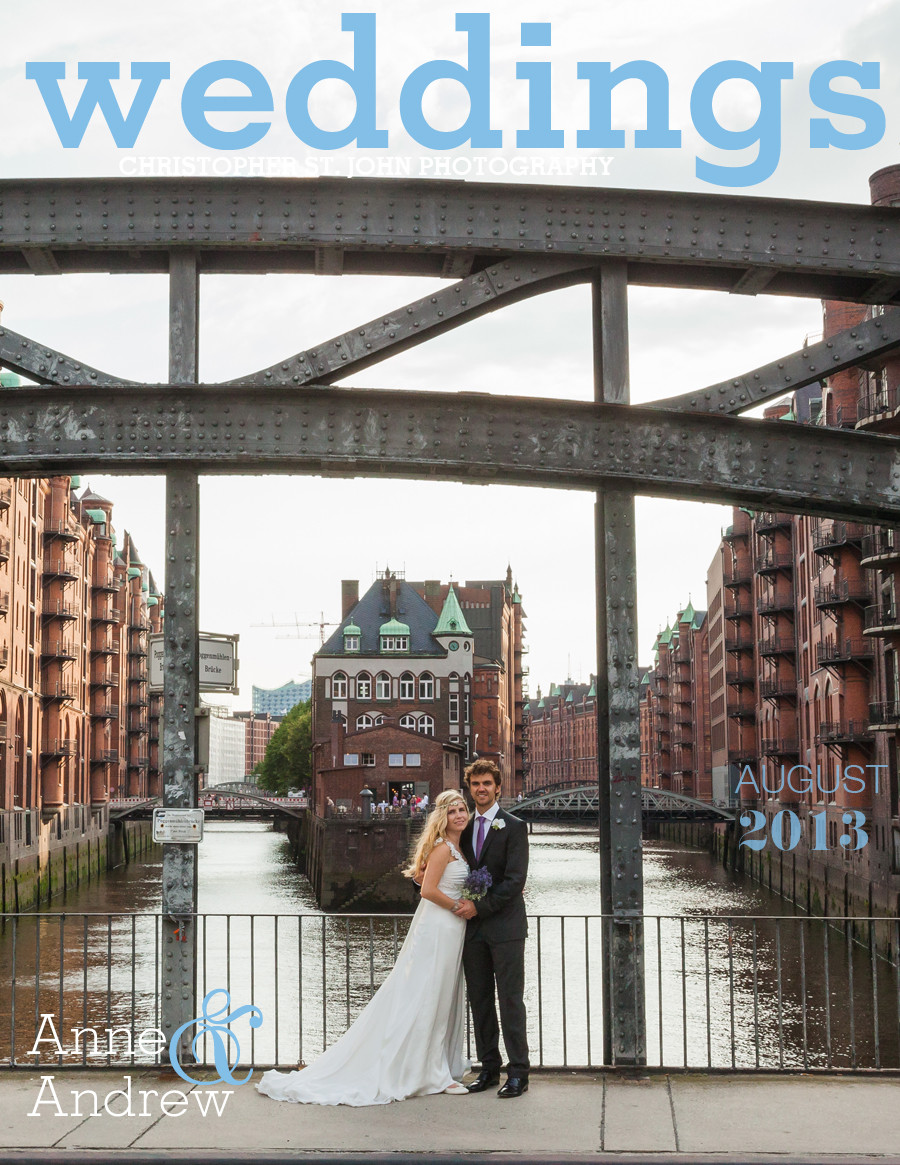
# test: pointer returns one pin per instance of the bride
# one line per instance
(408, 1040)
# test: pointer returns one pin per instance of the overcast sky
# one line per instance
(277, 547)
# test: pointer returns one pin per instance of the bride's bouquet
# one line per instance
(477, 884)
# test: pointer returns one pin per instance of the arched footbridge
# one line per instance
(583, 802)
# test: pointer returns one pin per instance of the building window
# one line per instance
(395, 643)
(364, 686)
(351, 758)
(454, 707)
(408, 721)
(351, 643)
(413, 760)
(367, 759)
(382, 686)
(379, 719)
(426, 686)
(426, 725)
(407, 686)
(339, 686)
(364, 721)
(395, 760)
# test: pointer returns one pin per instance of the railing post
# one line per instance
(618, 729)
(180, 676)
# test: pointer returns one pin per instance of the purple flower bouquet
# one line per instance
(477, 884)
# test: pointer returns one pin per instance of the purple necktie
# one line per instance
(482, 821)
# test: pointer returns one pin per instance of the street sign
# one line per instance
(178, 826)
(218, 663)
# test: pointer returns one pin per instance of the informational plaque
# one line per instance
(179, 826)
(218, 663)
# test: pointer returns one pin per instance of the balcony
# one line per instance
(58, 566)
(137, 649)
(4, 657)
(105, 680)
(59, 748)
(739, 677)
(745, 712)
(780, 746)
(835, 594)
(4, 550)
(105, 756)
(851, 650)
(777, 688)
(59, 649)
(739, 641)
(882, 619)
(737, 606)
(736, 574)
(881, 404)
(683, 736)
(5, 497)
(766, 521)
(777, 645)
(104, 612)
(769, 604)
(57, 609)
(59, 690)
(881, 548)
(742, 756)
(4, 602)
(772, 561)
(105, 712)
(61, 530)
(831, 534)
(108, 587)
(844, 732)
(139, 762)
(884, 716)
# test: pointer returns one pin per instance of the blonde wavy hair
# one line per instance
(434, 831)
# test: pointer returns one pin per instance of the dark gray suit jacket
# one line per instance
(501, 912)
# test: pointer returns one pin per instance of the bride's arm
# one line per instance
(438, 860)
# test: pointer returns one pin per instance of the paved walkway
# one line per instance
(566, 1118)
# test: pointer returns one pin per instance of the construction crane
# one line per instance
(298, 626)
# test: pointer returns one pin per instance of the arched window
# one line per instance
(382, 686)
(339, 686)
(379, 719)
(364, 686)
(364, 721)
(426, 725)
(408, 721)
(407, 686)
(426, 686)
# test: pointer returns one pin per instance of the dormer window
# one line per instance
(393, 636)
(352, 635)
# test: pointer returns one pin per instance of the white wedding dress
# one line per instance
(408, 1041)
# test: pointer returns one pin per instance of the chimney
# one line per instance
(393, 586)
(349, 595)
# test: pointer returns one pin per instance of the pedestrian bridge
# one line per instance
(220, 801)
(583, 801)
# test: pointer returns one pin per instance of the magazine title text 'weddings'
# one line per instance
(862, 118)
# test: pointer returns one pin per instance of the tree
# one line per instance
(288, 760)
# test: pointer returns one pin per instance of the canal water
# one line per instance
(734, 976)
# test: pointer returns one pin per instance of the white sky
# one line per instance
(279, 546)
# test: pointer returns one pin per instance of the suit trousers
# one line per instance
(504, 963)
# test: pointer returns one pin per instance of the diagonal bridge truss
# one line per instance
(497, 244)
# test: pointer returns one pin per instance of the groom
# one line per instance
(494, 951)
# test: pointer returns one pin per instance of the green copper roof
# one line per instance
(687, 615)
(570, 699)
(553, 692)
(98, 516)
(393, 627)
(352, 629)
(593, 689)
(134, 572)
(153, 601)
(666, 636)
(645, 679)
(452, 620)
(76, 482)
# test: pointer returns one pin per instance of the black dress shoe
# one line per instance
(484, 1080)
(514, 1086)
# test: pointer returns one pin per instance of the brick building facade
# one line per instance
(394, 664)
(77, 724)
